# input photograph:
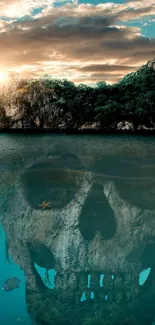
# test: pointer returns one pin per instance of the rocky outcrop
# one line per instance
(145, 128)
(67, 124)
(125, 126)
(151, 64)
(90, 126)
(17, 125)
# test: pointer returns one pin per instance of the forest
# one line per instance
(52, 103)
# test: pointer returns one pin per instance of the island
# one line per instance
(54, 105)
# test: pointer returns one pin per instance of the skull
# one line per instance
(100, 223)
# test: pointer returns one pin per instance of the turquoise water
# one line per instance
(13, 308)
(87, 257)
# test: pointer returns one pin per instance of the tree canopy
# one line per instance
(52, 100)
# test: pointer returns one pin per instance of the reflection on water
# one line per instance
(78, 226)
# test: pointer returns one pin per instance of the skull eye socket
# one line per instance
(131, 175)
(47, 182)
(134, 192)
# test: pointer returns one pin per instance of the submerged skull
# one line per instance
(90, 230)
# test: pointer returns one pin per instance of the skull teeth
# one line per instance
(113, 288)
(105, 286)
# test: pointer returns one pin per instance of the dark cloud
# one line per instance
(74, 39)
(105, 68)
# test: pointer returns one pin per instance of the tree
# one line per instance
(101, 85)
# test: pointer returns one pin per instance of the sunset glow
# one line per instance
(82, 41)
(3, 77)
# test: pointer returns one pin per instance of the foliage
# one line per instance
(54, 101)
(4, 120)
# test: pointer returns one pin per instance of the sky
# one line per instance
(84, 42)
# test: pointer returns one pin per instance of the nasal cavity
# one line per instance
(97, 215)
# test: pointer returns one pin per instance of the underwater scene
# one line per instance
(77, 229)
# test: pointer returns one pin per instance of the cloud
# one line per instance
(125, 12)
(105, 68)
(17, 8)
(78, 42)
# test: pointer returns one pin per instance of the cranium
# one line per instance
(93, 226)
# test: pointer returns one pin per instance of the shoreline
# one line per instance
(76, 131)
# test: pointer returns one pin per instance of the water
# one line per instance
(78, 229)
(15, 299)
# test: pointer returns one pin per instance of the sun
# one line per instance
(3, 77)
